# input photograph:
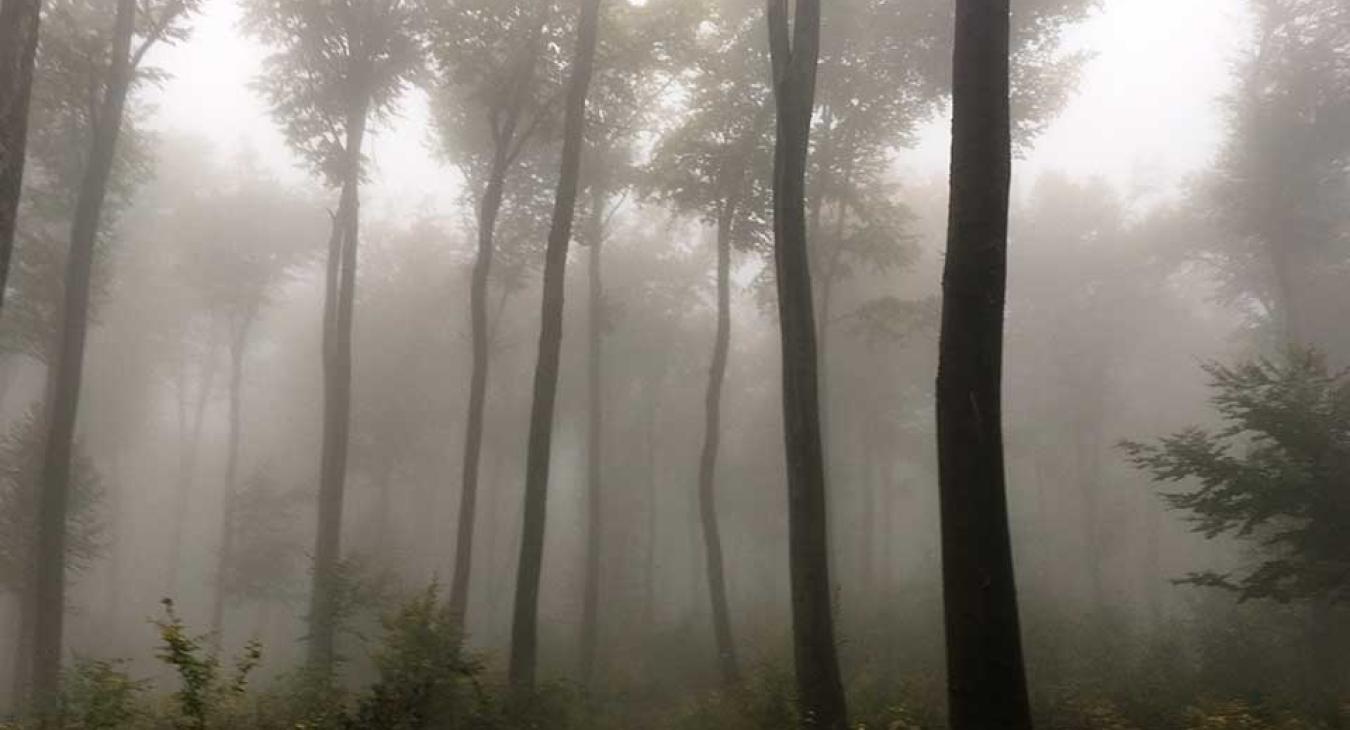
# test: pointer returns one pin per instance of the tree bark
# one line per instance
(18, 49)
(707, 467)
(590, 611)
(337, 375)
(794, 47)
(524, 620)
(986, 680)
(68, 370)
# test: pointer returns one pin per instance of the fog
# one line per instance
(285, 439)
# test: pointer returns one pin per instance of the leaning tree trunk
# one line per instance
(986, 681)
(707, 466)
(590, 610)
(337, 376)
(524, 628)
(227, 526)
(795, 47)
(67, 370)
(18, 48)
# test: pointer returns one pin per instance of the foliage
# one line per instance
(100, 695)
(1273, 474)
(206, 694)
(20, 469)
(424, 678)
(334, 63)
(264, 563)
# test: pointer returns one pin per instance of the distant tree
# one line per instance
(986, 683)
(497, 79)
(524, 626)
(18, 49)
(794, 49)
(1271, 474)
(1277, 193)
(135, 29)
(241, 245)
(337, 65)
(715, 164)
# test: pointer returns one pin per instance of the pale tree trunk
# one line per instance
(190, 446)
(986, 683)
(649, 575)
(590, 611)
(339, 302)
(524, 621)
(18, 49)
(238, 343)
(795, 46)
(506, 147)
(707, 468)
(67, 371)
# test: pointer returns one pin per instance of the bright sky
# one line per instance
(1146, 109)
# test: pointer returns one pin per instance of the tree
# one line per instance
(1270, 475)
(20, 470)
(130, 41)
(794, 48)
(716, 164)
(18, 49)
(524, 624)
(337, 66)
(497, 81)
(986, 684)
(1277, 192)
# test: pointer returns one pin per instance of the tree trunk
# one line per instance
(649, 575)
(986, 681)
(506, 147)
(707, 467)
(187, 462)
(237, 345)
(339, 302)
(18, 48)
(524, 620)
(795, 47)
(590, 611)
(67, 370)
(473, 434)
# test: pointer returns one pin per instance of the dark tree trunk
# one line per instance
(339, 302)
(524, 620)
(18, 48)
(590, 610)
(986, 681)
(68, 366)
(707, 466)
(795, 46)
(506, 147)
(237, 344)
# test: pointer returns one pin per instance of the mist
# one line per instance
(675, 364)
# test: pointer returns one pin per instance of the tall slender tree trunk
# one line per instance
(18, 49)
(190, 447)
(707, 466)
(986, 683)
(649, 574)
(68, 370)
(337, 375)
(238, 343)
(795, 46)
(590, 611)
(524, 622)
(506, 147)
